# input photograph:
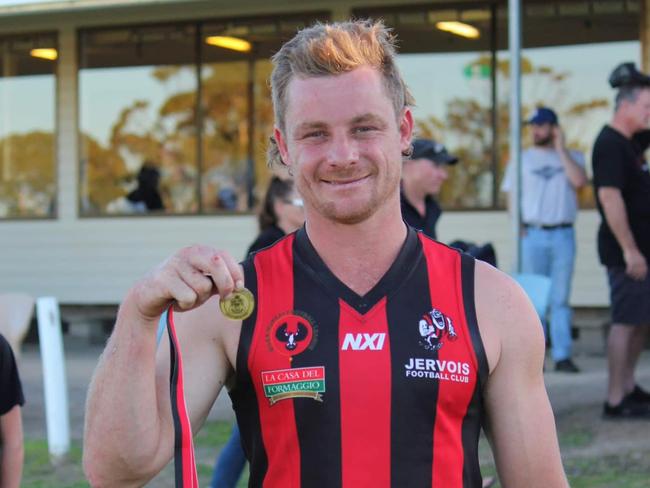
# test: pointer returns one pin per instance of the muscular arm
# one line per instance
(616, 216)
(11, 442)
(520, 422)
(128, 434)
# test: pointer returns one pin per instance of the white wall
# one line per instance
(94, 261)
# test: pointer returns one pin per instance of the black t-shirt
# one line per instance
(11, 391)
(266, 238)
(619, 162)
(426, 223)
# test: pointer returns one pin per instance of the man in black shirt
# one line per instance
(622, 188)
(422, 176)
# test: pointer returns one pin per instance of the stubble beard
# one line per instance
(331, 211)
(543, 141)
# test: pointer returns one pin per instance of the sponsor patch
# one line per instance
(363, 342)
(291, 333)
(282, 384)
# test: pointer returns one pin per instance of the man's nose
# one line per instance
(342, 150)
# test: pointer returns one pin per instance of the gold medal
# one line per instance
(239, 305)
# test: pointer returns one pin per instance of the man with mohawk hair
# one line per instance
(357, 400)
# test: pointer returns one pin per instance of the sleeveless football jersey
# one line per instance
(334, 389)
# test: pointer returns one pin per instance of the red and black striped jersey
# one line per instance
(334, 389)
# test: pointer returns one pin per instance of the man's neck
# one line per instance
(619, 124)
(359, 254)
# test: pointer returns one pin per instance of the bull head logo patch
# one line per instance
(290, 333)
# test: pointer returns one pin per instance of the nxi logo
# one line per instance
(361, 342)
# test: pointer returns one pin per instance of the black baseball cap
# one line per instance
(433, 151)
(626, 74)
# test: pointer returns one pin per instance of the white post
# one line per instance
(54, 379)
(514, 43)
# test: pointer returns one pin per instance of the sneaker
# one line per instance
(627, 409)
(639, 395)
(566, 366)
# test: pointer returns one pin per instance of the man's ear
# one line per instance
(406, 130)
(282, 146)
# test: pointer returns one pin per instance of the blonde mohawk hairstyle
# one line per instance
(333, 49)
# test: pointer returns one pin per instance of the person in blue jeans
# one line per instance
(281, 213)
(550, 176)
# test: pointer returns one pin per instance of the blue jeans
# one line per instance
(551, 252)
(230, 463)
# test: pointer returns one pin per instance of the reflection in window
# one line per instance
(442, 51)
(138, 110)
(191, 101)
(263, 127)
(225, 108)
(27, 126)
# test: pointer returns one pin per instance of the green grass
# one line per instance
(578, 437)
(629, 470)
(213, 435)
(38, 472)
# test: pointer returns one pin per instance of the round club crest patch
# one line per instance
(290, 333)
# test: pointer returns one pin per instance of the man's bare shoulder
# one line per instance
(507, 319)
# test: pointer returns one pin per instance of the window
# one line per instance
(27, 126)
(137, 100)
(449, 76)
(186, 104)
(461, 84)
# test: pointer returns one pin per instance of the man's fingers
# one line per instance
(189, 277)
(220, 266)
(197, 281)
(221, 276)
(235, 270)
(184, 296)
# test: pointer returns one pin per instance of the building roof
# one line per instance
(34, 7)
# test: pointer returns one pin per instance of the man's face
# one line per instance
(344, 144)
(427, 175)
(638, 111)
(542, 134)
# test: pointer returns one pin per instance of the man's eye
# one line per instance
(365, 128)
(316, 133)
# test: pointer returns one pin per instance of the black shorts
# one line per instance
(630, 299)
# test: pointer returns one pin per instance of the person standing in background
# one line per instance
(550, 176)
(11, 424)
(422, 176)
(622, 188)
(281, 214)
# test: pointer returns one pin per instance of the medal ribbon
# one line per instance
(184, 461)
